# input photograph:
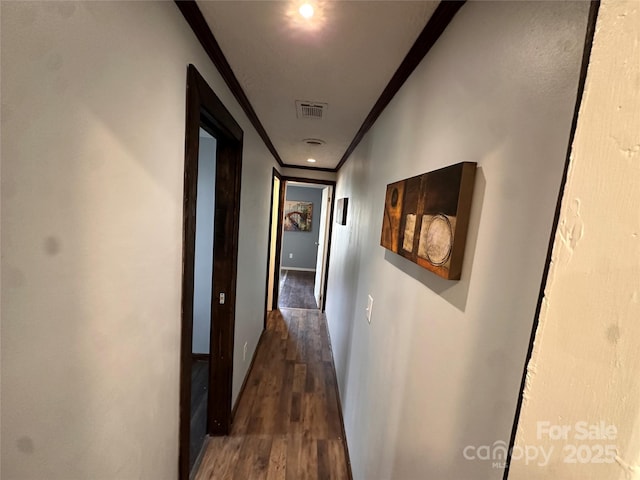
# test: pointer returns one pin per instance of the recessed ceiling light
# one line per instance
(308, 16)
(311, 160)
(306, 10)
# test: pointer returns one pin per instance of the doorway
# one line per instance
(275, 238)
(213, 158)
(202, 293)
(299, 243)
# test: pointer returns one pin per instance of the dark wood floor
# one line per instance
(288, 422)
(296, 289)
(199, 391)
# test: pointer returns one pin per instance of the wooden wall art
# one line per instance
(426, 218)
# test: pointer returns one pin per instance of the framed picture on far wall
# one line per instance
(341, 211)
(297, 216)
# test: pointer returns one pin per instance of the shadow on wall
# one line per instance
(455, 292)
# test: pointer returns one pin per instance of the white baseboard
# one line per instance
(299, 269)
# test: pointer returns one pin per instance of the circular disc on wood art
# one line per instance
(439, 240)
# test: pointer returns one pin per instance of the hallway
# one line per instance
(288, 423)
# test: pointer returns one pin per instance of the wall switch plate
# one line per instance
(291, 255)
(369, 307)
(244, 352)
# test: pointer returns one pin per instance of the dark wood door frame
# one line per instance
(278, 254)
(204, 109)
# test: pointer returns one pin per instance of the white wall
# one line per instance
(439, 366)
(586, 361)
(93, 115)
(203, 268)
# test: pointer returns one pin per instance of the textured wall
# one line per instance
(440, 365)
(584, 372)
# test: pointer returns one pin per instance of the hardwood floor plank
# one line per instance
(304, 335)
(253, 460)
(295, 407)
(278, 459)
(299, 377)
(209, 458)
(315, 351)
(326, 353)
(198, 421)
(311, 382)
(332, 406)
(294, 450)
(308, 466)
(324, 467)
(284, 405)
(220, 465)
(337, 460)
(293, 343)
(287, 424)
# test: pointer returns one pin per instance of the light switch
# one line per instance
(369, 308)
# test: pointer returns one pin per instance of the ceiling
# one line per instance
(344, 56)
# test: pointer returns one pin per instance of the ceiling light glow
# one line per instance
(311, 160)
(307, 16)
(306, 10)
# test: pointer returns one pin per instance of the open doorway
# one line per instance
(213, 157)
(275, 239)
(299, 243)
(202, 293)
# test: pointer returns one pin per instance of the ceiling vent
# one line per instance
(314, 110)
(313, 142)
